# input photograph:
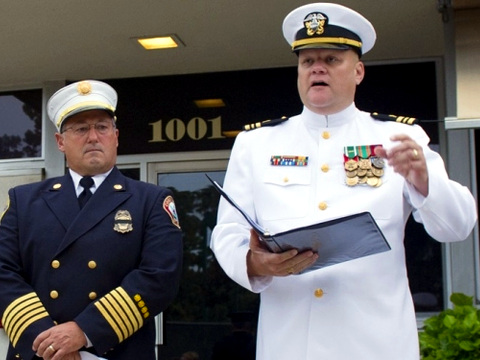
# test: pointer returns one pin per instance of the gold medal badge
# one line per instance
(362, 167)
(351, 165)
(123, 222)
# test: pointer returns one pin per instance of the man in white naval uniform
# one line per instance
(360, 309)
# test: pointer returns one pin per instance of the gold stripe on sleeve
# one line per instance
(22, 313)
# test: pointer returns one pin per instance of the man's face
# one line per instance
(327, 79)
(89, 151)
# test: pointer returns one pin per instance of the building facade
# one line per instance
(169, 137)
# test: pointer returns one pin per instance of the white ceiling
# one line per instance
(71, 39)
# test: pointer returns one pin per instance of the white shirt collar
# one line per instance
(315, 121)
(97, 181)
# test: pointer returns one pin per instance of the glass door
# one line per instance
(202, 311)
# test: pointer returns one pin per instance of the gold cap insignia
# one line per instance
(84, 88)
(314, 23)
(123, 221)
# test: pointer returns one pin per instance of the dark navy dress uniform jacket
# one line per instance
(111, 266)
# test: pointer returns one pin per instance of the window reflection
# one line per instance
(20, 124)
(206, 293)
(200, 314)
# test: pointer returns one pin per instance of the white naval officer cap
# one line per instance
(326, 25)
(81, 96)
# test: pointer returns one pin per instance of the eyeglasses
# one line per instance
(82, 129)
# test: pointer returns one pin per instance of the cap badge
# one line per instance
(84, 88)
(123, 221)
(315, 23)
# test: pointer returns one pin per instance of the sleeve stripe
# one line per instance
(106, 314)
(15, 303)
(114, 297)
(20, 314)
(18, 323)
(27, 324)
(136, 321)
(120, 312)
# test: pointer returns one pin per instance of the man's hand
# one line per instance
(408, 160)
(261, 262)
(60, 342)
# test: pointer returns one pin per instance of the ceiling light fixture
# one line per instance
(160, 42)
(209, 103)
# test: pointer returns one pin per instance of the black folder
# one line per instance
(335, 241)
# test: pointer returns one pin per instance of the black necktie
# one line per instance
(86, 182)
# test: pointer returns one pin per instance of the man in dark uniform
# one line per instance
(85, 281)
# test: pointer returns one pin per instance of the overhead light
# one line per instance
(209, 103)
(160, 42)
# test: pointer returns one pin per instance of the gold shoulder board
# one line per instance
(399, 119)
(265, 123)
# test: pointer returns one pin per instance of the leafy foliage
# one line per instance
(453, 334)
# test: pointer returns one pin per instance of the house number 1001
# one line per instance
(196, 129)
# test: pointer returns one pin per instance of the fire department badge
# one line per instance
(123, 221)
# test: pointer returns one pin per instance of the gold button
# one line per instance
(319, 293)
(92, 295)
(325, 168)
(92, 264)
(285, 179)
(55, 264)
(326, 135)
(322, 205)
(54, 294)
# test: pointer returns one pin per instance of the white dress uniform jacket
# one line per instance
(361, 309)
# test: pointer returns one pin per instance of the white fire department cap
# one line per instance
(81, 96)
